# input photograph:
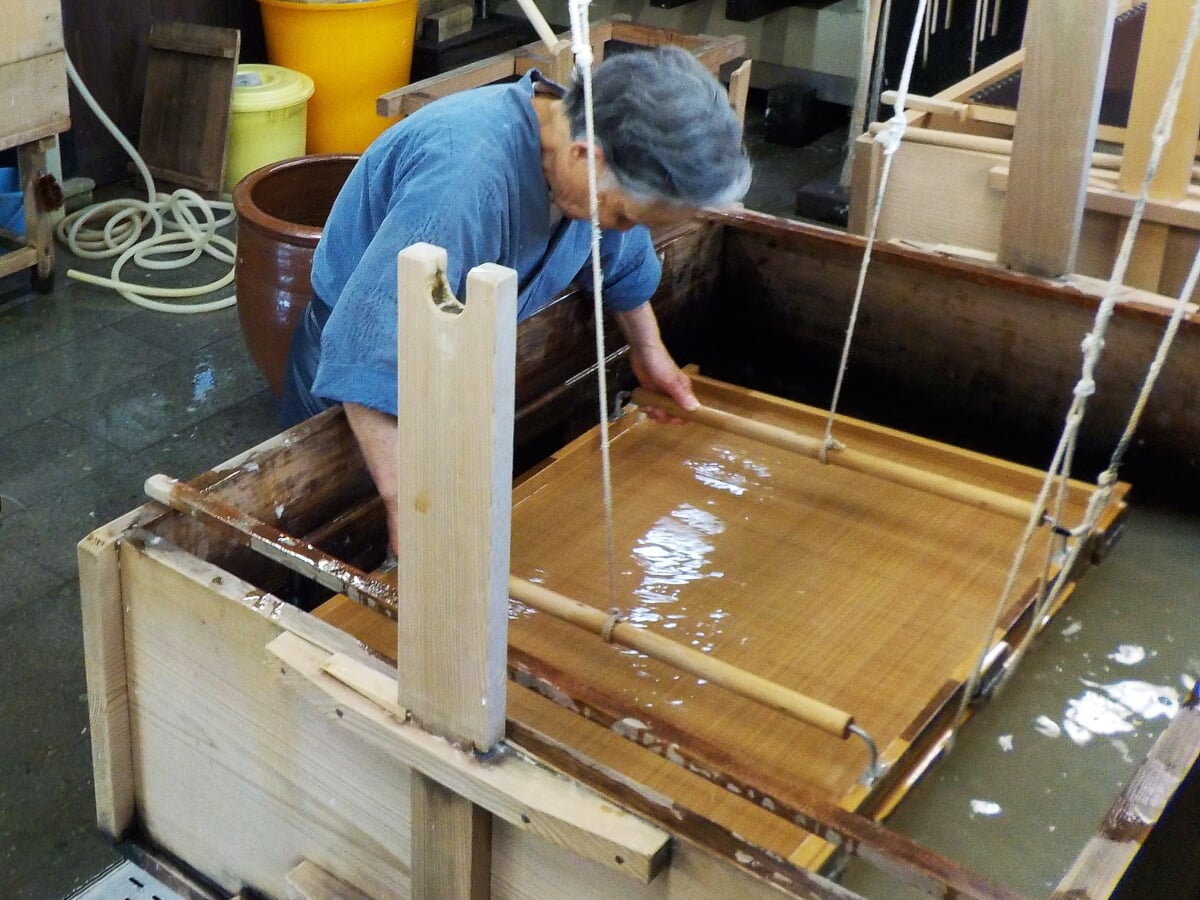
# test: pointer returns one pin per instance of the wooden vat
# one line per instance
(257, 743)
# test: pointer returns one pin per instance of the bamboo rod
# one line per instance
(855, 460)
(539, 23)
(746, 684)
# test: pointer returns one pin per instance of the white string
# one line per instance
(582, 47)
(1093, 345)
(889, 137)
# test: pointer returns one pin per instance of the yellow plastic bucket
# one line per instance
(268, 121)
(353, 51)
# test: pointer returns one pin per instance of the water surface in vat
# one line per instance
(1032, 775)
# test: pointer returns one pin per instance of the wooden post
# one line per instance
(1066, 56)
(1163, 35)
(739, 88)
(456, 377)
(104, 666)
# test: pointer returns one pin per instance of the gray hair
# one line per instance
(666, 128)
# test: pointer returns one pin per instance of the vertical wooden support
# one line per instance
(39, 227)
(456, 378)
(455, 398)
(1163, 35)
(1066, 56)
(863, 112)
(739, 88)
(451, 844)
(104, 668)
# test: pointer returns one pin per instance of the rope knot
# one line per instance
(1085, 388)
(1092, 343)
(614, 619)
(830, 443)
(892, 134)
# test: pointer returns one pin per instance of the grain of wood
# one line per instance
(454, 459)
(1065, 43)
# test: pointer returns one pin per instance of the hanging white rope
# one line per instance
(581, 45)
(890, 138)
(1092, 347)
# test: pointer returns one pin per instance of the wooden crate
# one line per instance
(260, 744)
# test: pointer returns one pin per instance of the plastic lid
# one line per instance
(257, 88)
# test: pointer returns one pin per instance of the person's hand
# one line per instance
(657, 371)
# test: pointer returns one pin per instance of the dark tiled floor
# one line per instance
(97, 394)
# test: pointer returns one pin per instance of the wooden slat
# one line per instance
(39, 226)
(274, 544)
(1163, 34)
(16, 260)
(1099, 869)
(35, 99)
(186, 110)
(104, 666)
(37, 23)
(453, 510)
(1065, 43)
(309, 881)
(511, 786)
(713, 52)
(1103, 196)
(451, 844)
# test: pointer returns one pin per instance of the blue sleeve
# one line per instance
(358, 345)
(631, 268)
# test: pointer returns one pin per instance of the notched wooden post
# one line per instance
(455, 384)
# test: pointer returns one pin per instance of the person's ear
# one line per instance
(579, 150)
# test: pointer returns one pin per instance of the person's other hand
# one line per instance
(657, 371)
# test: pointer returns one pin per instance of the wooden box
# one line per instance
(33, 73)
(261, 745)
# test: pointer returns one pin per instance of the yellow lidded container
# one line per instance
(268, 120)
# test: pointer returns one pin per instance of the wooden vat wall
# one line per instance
(978, 358)
(556, 349)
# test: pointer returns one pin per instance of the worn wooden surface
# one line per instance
(1100, 870)
(185, 114)
(953, 350)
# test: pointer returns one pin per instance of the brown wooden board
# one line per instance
(185, 114)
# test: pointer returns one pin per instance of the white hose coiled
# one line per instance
(184, 226)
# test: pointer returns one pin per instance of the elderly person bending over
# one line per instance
(499, 174)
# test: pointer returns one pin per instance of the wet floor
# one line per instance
(97, 394)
